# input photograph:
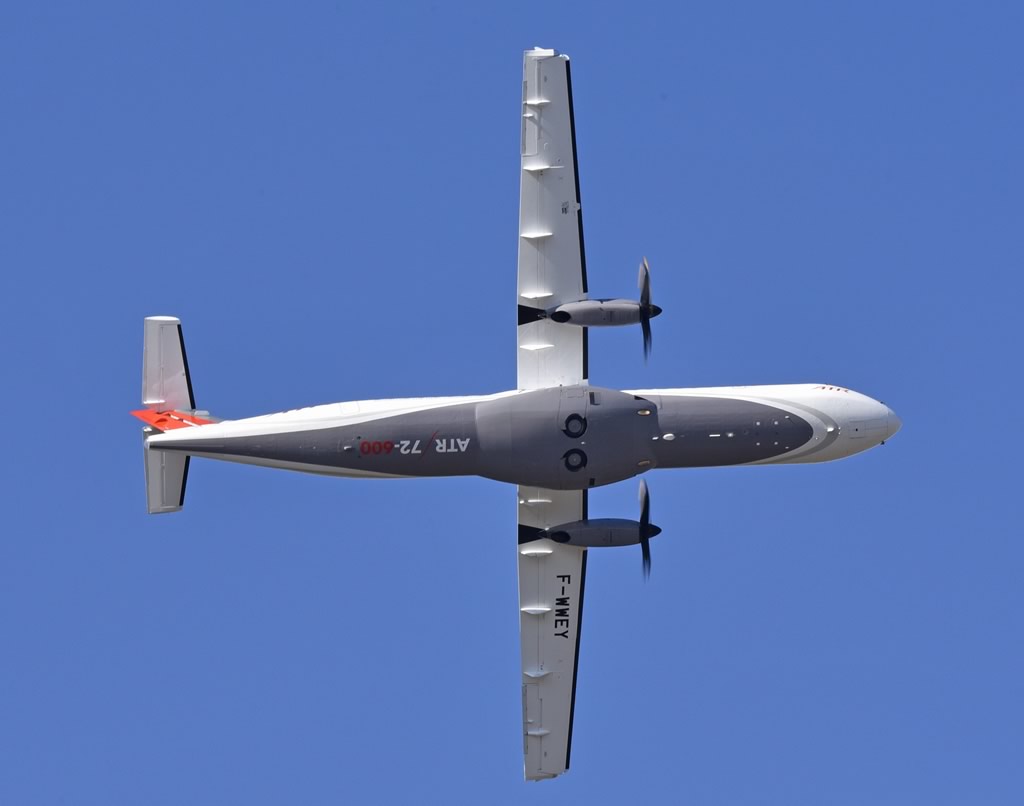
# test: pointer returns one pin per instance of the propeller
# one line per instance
(647, 531)
(647, 310)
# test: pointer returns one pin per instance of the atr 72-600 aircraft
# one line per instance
(554, 435)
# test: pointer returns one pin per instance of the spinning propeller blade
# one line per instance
(647, 310)
(645, 527)
(644, 283)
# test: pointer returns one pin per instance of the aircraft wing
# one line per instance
(552, 270)
(552, 265)
(551, 581)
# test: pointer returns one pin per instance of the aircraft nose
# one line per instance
(892, 424)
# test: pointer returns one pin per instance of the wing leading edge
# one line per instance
(552, 270)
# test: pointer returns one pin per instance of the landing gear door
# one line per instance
(572, 411)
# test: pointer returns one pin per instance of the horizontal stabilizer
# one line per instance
(166, 474)
(169, 420)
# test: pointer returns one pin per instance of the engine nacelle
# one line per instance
(598, 532)
(597, 313)
(590, 313)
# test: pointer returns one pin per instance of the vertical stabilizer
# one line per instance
(166, 384)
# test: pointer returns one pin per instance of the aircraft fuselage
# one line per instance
(565, 438)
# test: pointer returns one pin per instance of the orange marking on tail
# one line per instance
(169, 420)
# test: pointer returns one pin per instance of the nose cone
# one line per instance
(892, 424)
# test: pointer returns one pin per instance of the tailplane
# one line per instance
(169, 403)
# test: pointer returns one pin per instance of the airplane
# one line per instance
(554, 435)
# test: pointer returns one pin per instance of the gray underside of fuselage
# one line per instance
(711, 432)
(460, 440)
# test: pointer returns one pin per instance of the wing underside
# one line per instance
(551, 585)
(552, 261)
(552, 270)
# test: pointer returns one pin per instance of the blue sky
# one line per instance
(326, 194)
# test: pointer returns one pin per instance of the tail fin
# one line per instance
(166, 384)
(167, 396)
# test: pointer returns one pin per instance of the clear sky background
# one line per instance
(326, 194)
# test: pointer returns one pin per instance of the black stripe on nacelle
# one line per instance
(528, 314)
(527, 534)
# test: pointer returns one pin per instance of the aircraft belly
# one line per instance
(708, 431)
(566, 438)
